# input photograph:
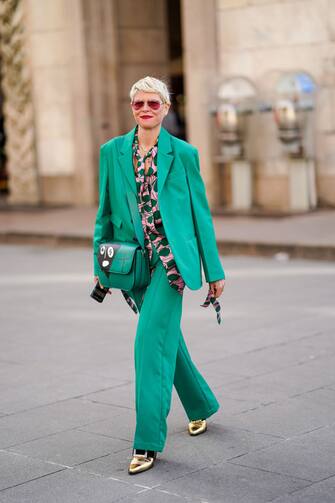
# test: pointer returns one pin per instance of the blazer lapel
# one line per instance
(164, 158)
(126, 159)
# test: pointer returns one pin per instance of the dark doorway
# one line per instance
(3, 172)
(175, 121)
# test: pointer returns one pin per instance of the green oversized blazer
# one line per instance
(182, 202)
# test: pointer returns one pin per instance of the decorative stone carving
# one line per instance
(18, 106)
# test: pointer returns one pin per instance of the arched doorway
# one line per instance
(3, 170)
(175, 122)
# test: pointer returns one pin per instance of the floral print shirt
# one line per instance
(154, 234)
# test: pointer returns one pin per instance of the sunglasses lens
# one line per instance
(154, 105)
(138, 104)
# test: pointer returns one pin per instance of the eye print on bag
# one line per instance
(106, 253)
(110, 253)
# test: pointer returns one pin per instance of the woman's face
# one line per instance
(146, 116)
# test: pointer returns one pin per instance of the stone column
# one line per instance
(200, 64)
(61, 101)
(103, 59)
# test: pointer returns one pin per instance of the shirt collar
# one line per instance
(136, 148)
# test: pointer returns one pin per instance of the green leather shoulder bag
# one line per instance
(125, 264)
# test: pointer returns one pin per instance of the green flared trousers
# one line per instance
(161, 360)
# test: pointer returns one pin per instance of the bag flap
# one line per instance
(116, 257)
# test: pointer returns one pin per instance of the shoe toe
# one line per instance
(140, 463)
(197, 426)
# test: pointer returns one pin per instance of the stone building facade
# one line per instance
(257, 38)
(78, 59)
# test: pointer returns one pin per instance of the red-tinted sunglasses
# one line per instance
(153, 104)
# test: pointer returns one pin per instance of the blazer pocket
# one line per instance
(116, 220)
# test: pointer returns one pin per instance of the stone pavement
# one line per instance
(309, 235)
(67, 386)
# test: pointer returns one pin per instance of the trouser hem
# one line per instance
(198, 414)
(201, 414)
(151, 447)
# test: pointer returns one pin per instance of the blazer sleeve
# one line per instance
(203, 221)
(103, 230)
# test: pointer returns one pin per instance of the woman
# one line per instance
(162, 172)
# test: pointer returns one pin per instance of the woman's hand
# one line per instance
(96, 280)
(217, 287)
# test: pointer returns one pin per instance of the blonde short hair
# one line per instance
(151, 85)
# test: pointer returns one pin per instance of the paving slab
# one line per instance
(310, 456)
(228, 483)
(289, 382)
(50, 390)
(41, 421)
(323, 491)
(70, 447)
(291, 417)
(120, 396)
(69, 486)
(16, 469)
(263, 360)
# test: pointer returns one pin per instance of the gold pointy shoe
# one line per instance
(197, 426)
(141, 461)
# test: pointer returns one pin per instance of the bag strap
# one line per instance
(136, 219)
